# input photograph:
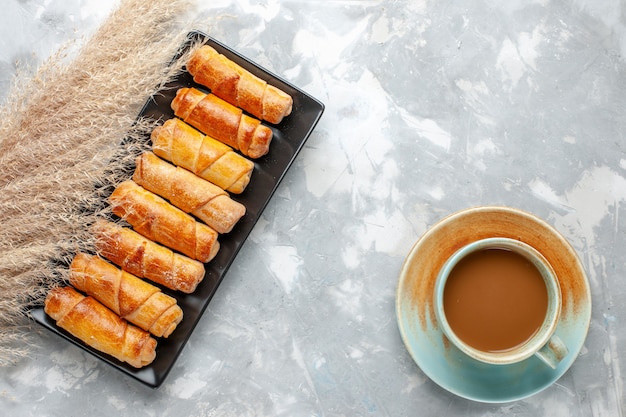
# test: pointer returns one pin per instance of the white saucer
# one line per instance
(444, 363)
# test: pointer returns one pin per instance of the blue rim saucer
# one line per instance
(432, 352)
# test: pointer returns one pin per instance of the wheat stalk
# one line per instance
(60, 136)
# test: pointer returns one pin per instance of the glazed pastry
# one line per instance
(222, 121)
(161, 222)
(206, 157)
(99, 327)
(237, 86)
(131, 298)
(144, 258)
(188, 192)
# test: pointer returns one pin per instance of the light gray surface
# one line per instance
(431, 107)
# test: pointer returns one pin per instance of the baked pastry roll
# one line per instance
(222, 121)
(161, 222)
(145, 258)
(131, 298)
(203, 155)
(239, 87)
(99, 327)
(188, 192)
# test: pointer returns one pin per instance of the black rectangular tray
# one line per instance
(288, 139)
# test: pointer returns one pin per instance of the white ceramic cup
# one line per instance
(544, 344)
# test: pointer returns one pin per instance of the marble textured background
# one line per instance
(431, 107)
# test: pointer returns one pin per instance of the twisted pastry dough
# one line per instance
(237, 86)
(188, 192)
(99, 327)
(131, 298)
(160, 221)
(147, 259)
(222, 121)
(206, 157)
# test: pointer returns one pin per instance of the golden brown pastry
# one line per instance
(222, 121)
(99, 327)
(238, 86)
(206, 157)
(144, 258)
(131, 298)
(160, 221)
(188, 192)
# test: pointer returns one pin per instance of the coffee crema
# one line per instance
(495, 300)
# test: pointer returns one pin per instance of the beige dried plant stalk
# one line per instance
(61, 131)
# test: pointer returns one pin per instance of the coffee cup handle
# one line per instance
(552, 352)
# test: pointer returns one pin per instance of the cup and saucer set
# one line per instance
(433, 332)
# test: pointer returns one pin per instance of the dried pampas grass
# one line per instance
(59, 131)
